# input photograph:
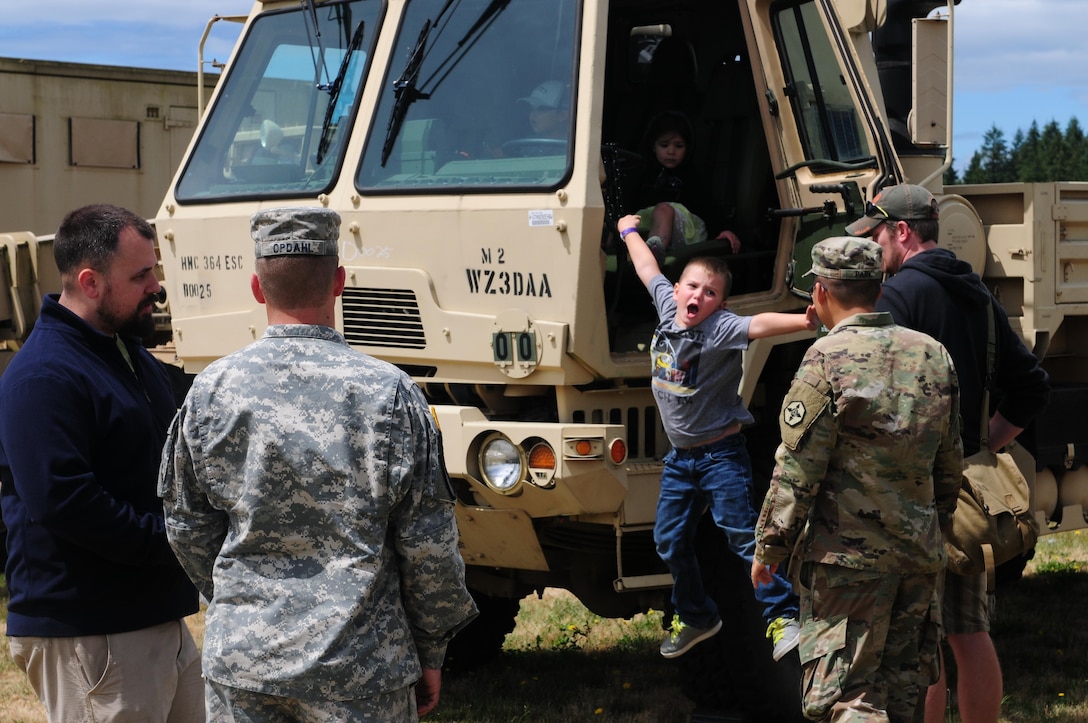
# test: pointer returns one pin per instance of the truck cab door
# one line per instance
(831, 131)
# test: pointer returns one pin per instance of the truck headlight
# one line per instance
(501, 464)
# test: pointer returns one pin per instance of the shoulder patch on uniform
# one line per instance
(803, 405)
(793, 413)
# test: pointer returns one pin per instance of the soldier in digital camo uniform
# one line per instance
(866, 479)
(306, 497)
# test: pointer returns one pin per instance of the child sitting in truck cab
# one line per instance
(670, 196)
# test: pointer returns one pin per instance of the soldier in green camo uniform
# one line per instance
(866, 479)
(306, 497)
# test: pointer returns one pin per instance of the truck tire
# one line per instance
(481, 640)
(733, 673)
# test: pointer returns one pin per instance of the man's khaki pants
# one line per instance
(150, 675)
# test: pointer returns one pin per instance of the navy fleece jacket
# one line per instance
(936, 293)
(80, 440)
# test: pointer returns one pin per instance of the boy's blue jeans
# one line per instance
(718, 474)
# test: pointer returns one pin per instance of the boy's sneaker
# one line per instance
(683, 638)
(785, 633)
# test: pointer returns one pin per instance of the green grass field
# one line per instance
(562, 663)
(1040, 634)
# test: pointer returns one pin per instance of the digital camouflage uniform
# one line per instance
(306, 497)
(866, 477)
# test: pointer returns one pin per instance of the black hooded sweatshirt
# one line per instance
(936, 293)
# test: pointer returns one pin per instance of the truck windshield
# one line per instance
(478, 98)
(279, 124)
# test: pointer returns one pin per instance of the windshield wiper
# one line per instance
(406, 88)
(334, 89)
(405, 91)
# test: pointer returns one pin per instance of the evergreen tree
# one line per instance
(1052, 153)
(1076, 152)
(1035, 156)
(1031, 165)
(973, 172)
(951, 176)
(1016, 155)
(991, 162)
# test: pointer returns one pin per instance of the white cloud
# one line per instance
(1003, 43)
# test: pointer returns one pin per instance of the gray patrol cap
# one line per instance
(300, 231)
(846, 257)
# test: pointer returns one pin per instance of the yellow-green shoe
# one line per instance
(683, 637)
(785, 633)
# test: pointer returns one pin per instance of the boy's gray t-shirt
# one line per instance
(696, 371)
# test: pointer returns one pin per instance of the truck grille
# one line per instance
(645, 435)
(383, 317)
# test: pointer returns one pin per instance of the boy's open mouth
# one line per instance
(693, 309)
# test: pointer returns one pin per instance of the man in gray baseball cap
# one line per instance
(905, 202)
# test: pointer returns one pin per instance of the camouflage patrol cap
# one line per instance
(303, 231)
(905, 202)
(845, 257)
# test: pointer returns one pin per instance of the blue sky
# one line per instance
(1016, 60)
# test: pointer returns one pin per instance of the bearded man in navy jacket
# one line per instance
(97, 598)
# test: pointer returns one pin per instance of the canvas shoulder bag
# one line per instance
(993, 521)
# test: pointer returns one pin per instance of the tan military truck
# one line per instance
(481, 256)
